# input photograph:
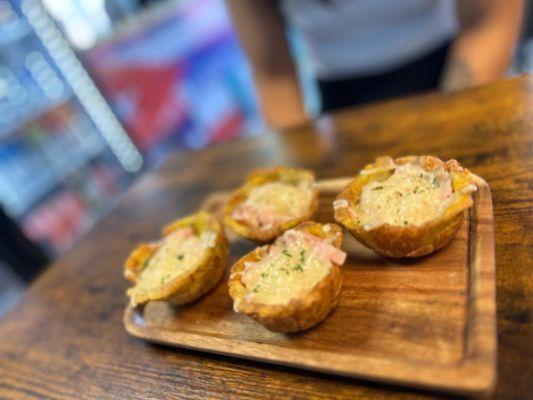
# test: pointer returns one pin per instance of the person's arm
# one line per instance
(262, 33)
(481, 52)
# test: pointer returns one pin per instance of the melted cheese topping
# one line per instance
(290, 269)
(177, 255)
(282, 197)
(274, 202)
(410, 196)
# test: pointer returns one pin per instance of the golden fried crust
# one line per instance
(410, 240)
(187, 287)
(137, 260)
(258, 178)
(299, 313)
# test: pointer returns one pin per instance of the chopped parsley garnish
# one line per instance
(264, 274)
(415, 189)
(302, 256)
(256, 289)
(180, 256)
(435, 181)
(405, 222)
(285, 270)
(377, 188)
(298, 268)
(286, 253)
(163, 279)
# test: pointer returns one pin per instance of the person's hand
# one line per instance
(482, 50)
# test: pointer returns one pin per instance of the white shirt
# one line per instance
(348, 38)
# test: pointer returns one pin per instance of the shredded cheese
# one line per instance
(410, 196)
(274, 203)
(292, 267)
(177, 255)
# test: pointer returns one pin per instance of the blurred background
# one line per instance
(94, 92)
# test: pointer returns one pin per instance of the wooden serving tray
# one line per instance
(428, 322)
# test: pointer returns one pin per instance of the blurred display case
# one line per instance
(64, 157)
(80, 118)
(176, 76)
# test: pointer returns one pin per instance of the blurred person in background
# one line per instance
(363, 50)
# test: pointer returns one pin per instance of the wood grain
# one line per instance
(428, 322)
(65, 338)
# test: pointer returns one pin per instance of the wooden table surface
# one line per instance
(65, 338)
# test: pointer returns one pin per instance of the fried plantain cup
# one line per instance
(270, 202)
(302, 307)
(184, 265)
(408, 207)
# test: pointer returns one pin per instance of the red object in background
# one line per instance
(227, 127)
(57, 221)
(151, 109)
(178, 79)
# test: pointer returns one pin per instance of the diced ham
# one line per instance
(291, 236)
(244, 212)
(181, 234)
(267, 218)
(260, 217)
(274, 250)
(334, 254)
(187, 232)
